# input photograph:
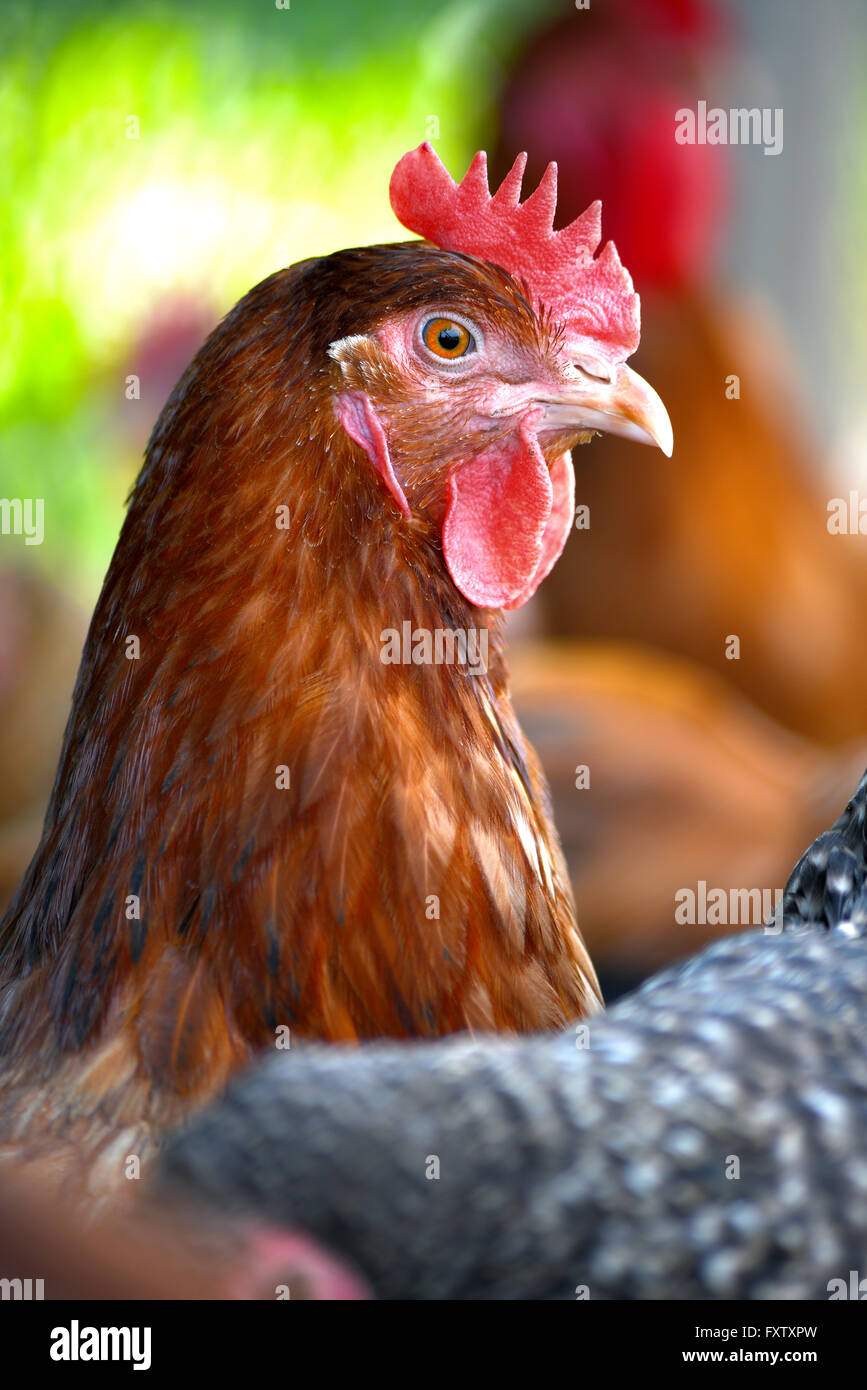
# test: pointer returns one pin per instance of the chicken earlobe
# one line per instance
(357, 416)
(507, 518)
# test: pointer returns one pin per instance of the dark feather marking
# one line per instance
(209, 899)
(241, 863)
(273, 948)
(137, 938)
(116, 766)
(184, 924)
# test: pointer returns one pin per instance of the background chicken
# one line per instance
(258, 822)
(663, 778)
(731, 537)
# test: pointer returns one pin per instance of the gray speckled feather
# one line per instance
(606, 1166)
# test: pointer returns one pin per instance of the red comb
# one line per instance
(591, 296)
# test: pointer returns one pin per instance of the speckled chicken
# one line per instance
(707, 1138)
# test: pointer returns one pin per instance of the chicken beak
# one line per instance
(624, 405)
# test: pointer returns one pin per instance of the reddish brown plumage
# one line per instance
(260, 648)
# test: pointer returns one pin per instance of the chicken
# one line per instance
(631, 741)
(731, 538)
(285, 807)
(703, 1139)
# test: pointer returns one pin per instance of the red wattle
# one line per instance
(507, 519)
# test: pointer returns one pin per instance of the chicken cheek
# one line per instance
(507, 519)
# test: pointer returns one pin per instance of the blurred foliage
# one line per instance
(265, 135)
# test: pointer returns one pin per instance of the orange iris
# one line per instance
(446, 338)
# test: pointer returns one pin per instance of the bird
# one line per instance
(631, 739)
(733, 537)
(290, 806)
(703, 1139)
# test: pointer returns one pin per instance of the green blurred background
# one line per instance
(263, 136)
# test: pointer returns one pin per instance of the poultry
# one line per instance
(267, 823)
(732, 537)
(703, 1139)
(663, 777)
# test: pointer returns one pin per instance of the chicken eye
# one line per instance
(446, 338)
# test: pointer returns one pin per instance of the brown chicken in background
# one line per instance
(685, 782)
(729, 537)
(258, 821)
